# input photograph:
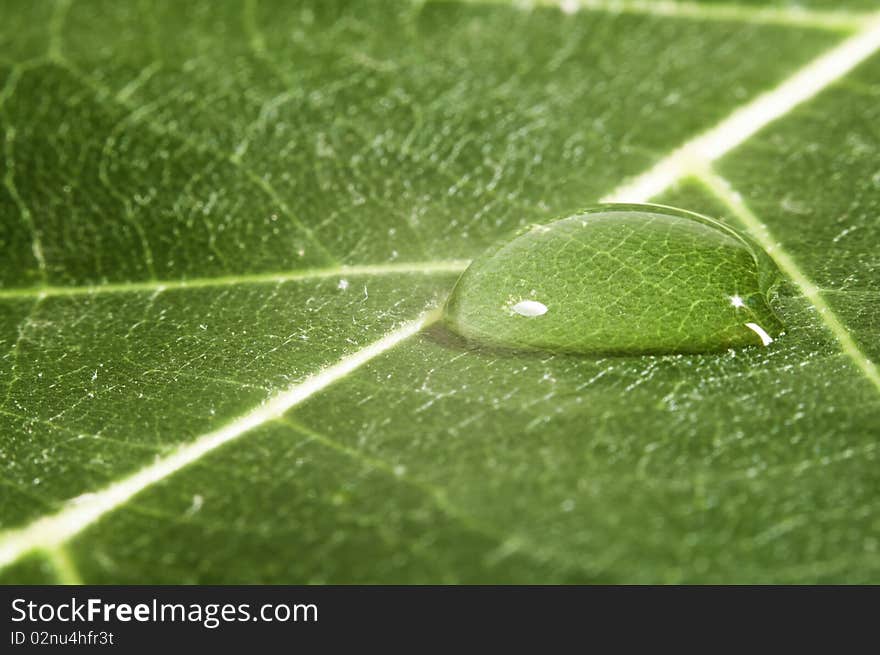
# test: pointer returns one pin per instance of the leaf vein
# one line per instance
(834, 20)
(140, 116)
(439, 266)
(50, 531)
(722, 190)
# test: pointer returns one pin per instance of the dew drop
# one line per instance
(621, 279)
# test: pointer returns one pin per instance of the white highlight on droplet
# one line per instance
(530, 308)
(766, 339)
(343, 284)
(736, 301)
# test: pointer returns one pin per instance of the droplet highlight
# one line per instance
(620, 279)
(530, 308)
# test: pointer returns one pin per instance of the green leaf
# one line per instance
(227, 230)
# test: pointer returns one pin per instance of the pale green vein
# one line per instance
(140, 115)
(56, 529)
(13, 355)
(76, 435)
(747, 119)
(152, 286)
(52, 531)
(63, 565)
(258, 45)
(56, 27)
(23, 210)
(722, 190)
(834, 20)
(11, 83)
(143, 77)
(125, 200)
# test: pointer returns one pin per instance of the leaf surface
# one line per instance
(224, 230)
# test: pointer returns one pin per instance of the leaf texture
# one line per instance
(226, 228)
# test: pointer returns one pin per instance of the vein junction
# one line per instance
(52, 531)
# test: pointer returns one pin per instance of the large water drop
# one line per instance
(619, 279)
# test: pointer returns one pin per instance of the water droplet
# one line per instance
(619, 279)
